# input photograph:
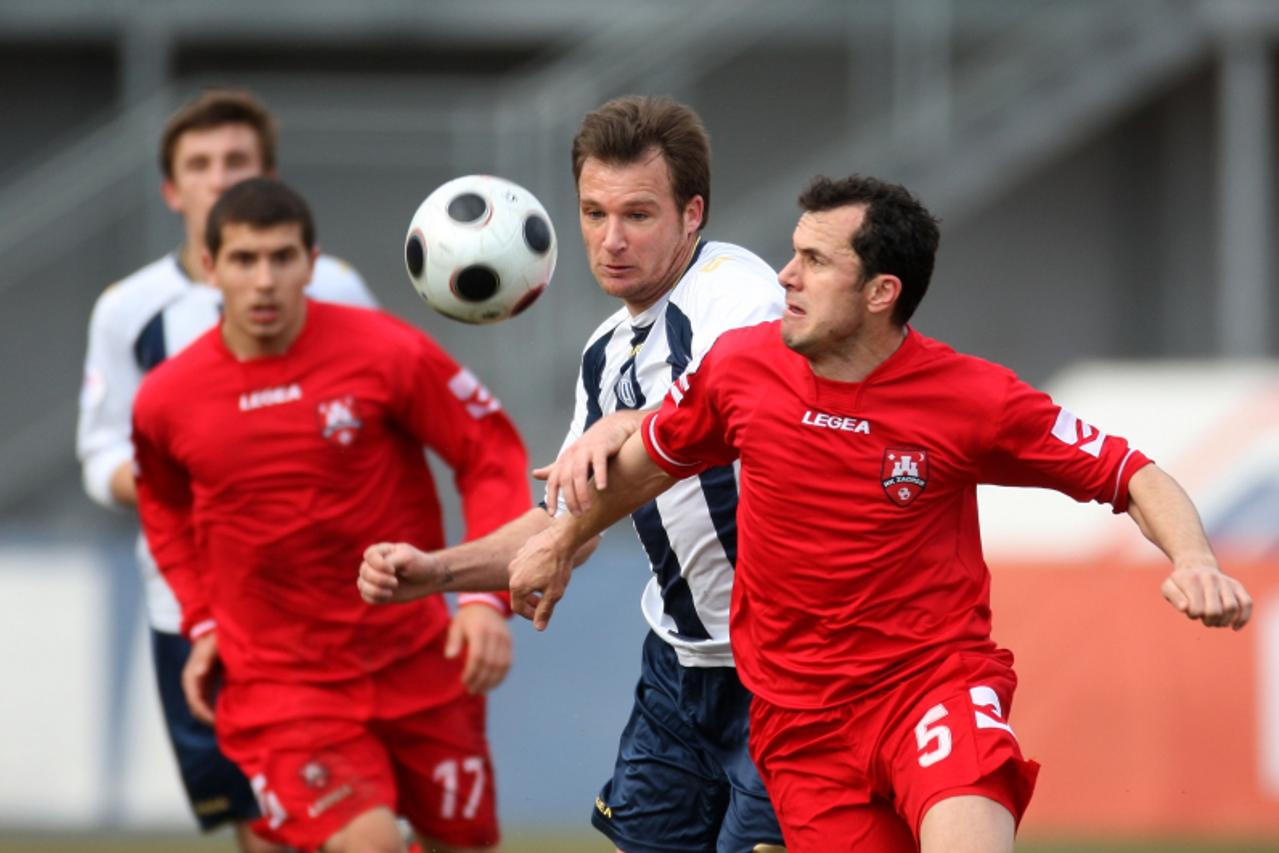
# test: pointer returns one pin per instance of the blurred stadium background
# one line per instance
(1104, 172)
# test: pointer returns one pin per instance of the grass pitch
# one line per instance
(540, 841)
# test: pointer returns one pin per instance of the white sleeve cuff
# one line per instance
(98, 470)
(199, 629)
(483, 598)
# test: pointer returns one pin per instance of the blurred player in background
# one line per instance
(212, 142)
(683, 780)
(861, 608)
(304, 444)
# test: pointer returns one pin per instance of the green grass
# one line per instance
(517, 841)
(526, 841)
(1148, 847)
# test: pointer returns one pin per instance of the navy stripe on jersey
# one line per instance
(719, 486)
(679, 337)
(592, 370)
(697, 253)
(627, 390)
(149, 347)
(677, 598)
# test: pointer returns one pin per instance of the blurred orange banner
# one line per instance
(1146, 724)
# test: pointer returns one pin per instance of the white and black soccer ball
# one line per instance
(480, 249)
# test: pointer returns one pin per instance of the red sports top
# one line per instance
(261, 483)
(859, 555)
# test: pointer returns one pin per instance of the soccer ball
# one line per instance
(480, 249)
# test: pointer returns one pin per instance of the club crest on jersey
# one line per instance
(627, 390)
(338, 421)
(314, 774)
(904, 474)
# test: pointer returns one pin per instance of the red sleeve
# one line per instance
(1039, 443)
(164, 506)
(688, 434)
(451, 412)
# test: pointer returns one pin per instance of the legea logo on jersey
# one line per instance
(270, 397)
(1071, 430)
(838, 422)
(904, 474)
(338, 421)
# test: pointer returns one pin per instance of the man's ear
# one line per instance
(882, 293)
(694, 213)
(169, 192)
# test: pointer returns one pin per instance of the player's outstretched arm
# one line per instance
(540, 571)
(1196, 586)
(394, 572)
(570, 475)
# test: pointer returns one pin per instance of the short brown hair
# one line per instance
(214, 108)
(259, 203)
(621, 131)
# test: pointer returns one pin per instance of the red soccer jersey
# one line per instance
(261, 482)
(859, 556)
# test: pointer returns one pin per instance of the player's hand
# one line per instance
(398, 572)
(539, 575)
(570, 475)
(487, 638)
(199, 676)
(1203, 592)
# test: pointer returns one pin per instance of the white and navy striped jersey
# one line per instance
(137, 323)
(690, 531)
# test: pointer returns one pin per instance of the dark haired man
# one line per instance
(304, 444)
(213, 141)
(683, 780)
(861, 605)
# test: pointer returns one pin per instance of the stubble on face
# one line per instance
(823, 281)
(637, 239)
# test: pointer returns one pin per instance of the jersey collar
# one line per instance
(832, 392)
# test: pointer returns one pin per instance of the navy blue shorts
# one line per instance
(216, 788)
(684, 780)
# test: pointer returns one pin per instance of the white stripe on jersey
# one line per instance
(690, 530)
(161, 304)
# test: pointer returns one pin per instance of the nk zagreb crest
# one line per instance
(904, 474)
(338, 421)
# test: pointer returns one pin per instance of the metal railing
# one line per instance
(1001, 88)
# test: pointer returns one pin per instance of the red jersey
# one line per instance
(261, 482)
(859, 555)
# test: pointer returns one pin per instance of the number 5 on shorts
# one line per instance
(935, 740)
(926, 733)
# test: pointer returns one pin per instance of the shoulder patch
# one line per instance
(715, 263)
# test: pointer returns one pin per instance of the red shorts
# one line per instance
(313, 775)
(861, 776)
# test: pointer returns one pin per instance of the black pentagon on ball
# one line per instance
(467, 207)
(475, 283)
(537, 233)
(415, 255)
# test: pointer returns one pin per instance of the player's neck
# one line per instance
(860, 356)
(191, 259)
(245, 346)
